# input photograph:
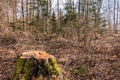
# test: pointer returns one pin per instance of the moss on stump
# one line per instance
(37, 65)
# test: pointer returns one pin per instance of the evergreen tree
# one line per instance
(53, 23)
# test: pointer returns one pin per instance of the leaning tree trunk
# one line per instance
(37, 65)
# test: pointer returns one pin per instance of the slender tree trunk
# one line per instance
(16, 2)
(58, 15)
(46, 12)
(117, 15)
(13, 1)
(30, 10)
(50, 7)
(7, 13)
(33, 12)
(109, 16)
(22, 13)
(27, 13)
(78, 23)
(114, 16)
(38, 8)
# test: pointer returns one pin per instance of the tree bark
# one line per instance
(37, 65)
(22, 14)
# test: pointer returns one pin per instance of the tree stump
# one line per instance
(37, 65)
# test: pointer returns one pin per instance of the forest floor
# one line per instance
(102, 62)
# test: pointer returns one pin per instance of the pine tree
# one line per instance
(53, 23)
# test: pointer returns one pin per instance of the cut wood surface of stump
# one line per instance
(37, 65)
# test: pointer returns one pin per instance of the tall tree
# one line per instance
(8, 3)
(38, 8)
(78, 19)
(109, 12)
(114, 15)
(58, 14)
(53, 23)
(22, 14)
(14, 10)
(117, 15)
(27, 11)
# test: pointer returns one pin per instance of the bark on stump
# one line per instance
(37, 65)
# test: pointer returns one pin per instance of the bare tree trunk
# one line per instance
(58, 15)
(30, 10)
(117, 15)
(46, 12)
(50, 7)
(38, 8)
(114, 16)
(109, 16)
(33, 7)
(78, 22)
(22, 10)
(7, 13)
(27, 13)
(14, 10)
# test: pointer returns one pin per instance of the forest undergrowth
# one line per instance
(101, 62)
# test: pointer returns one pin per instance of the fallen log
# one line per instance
(37, 65)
